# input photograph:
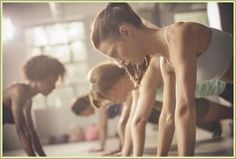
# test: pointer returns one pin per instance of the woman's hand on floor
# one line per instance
(116, 152)
(95, 149)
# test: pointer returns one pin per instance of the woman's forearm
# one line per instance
(185, 123)
(165, 134)
(102, 137)
(138, 136)
(37, 144)
(121, 132)
(103, 124)
(121, 139)
(127, 147)
(27, 142)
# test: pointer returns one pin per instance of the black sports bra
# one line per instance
(7, 114)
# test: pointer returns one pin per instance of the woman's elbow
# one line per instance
(185, 109)
(123, 121)
(23, 132)
(138, 123)
(167, 118)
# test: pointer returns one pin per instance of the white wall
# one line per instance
(214, 15)
(167, 11)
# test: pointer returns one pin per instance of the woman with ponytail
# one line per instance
(186, 52)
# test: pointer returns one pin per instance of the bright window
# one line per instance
(65, 41)
(8, 30)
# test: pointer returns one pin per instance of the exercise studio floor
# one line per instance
(205, 146)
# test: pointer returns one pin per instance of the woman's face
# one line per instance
(120, 90)
(47, 85)
(127, 47)
(87, 112)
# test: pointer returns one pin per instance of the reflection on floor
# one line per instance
(205, 146)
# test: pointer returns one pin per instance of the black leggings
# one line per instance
(228, 93)
(7, 114)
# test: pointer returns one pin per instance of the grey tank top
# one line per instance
(213, 63)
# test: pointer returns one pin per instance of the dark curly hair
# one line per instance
(41, 66)
(80, 104)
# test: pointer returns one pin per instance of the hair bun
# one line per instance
(119, 5)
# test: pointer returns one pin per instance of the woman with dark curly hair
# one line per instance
(41, 73)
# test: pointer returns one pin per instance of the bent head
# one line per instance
(116, 33)
(82, 106)
(43, 72)
(110, 82)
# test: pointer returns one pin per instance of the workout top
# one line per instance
(215, 61)
(210, 88)
(7, 115)
(114, 110)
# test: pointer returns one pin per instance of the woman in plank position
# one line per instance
(187, 53)
(110, 83)
(41, 74)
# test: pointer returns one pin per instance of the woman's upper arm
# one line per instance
(152, 80)
(18, 103)
(30, 122)
(148, 88)
(126, 108)
(103, 118)
(184, 59)
(186, 81)
(169, 86)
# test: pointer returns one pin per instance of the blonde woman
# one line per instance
(109, 82)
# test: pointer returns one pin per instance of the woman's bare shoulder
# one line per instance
(186, 25)
(154, 62)
(189, 34)
(19, 88)
(16, 90)
(165, 66)
(181, 29)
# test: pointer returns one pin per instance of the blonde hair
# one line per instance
(102, 78)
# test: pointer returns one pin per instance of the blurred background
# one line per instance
(63, 30)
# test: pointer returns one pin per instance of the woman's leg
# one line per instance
(227, 94)
(216, 112)
(206, 111)
(228, 76)
(209, 115)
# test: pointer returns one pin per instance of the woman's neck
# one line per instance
(156, 41)
(128, 83)
(32, 90)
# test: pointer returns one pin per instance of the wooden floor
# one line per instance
(205, 146)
